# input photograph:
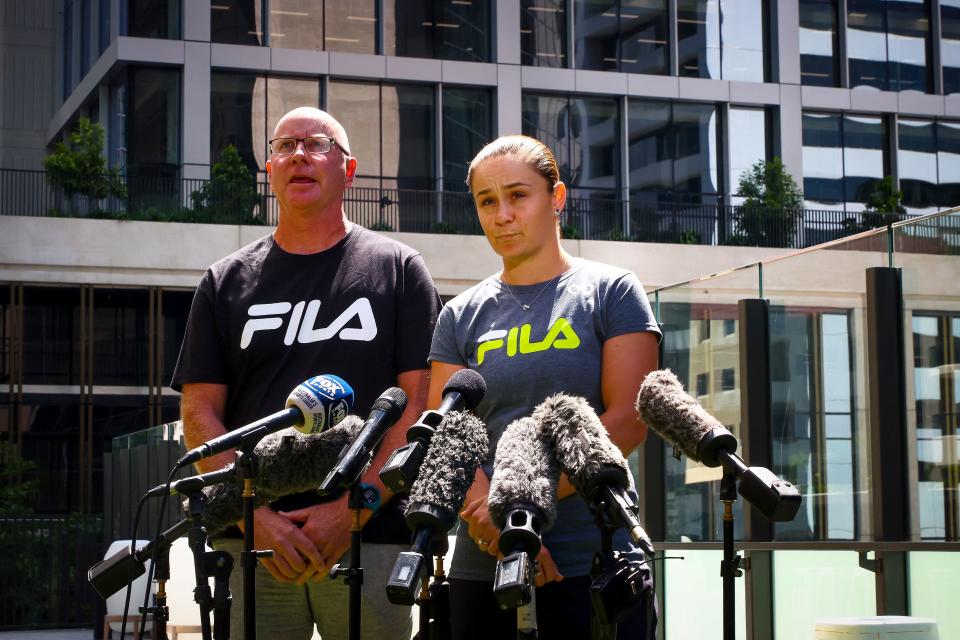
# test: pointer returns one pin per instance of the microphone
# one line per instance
(436, 497)
(386, 410)
(464, 390)
(195, 483)
(126, 565)
(523, 504)
(317, 404)
(680, 420)
(594, 464)
(287, 463)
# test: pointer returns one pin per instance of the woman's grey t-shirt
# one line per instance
(526, 355)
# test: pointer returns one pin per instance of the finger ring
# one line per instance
(483, 542)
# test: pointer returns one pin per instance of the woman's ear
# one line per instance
(559, 197)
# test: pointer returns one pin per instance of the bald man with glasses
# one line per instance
(316, 270)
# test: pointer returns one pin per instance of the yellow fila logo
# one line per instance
(560, 336)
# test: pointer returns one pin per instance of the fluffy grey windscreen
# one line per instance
(672, 413)
(524, 471)
(581, 442)
(456, 449)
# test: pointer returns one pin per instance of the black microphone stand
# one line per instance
(603, 560)
(353, 575)
(160, 611)
(197, 539)
(246, 466)
(730, 565)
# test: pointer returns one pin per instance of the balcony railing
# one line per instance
(671, 219)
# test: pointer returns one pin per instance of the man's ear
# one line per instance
(351, 167)
(268, 167)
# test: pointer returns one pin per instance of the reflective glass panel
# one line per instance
(950, 44)
(864, 156)
(643, 35)
(695, 166)
(948, 164)
(543, 33)
(6, 337)
(51, 335)
(698, 35)
(296, 24)
(120, 337)
(917, 164)
(357, 106)
(546, 118)
(696, 579)
(176, 307)
(748, 127)
(595, 144)
(284, 95)
(409, 128)
(808, 585)
(236, 22)
(651, 143)
(50, 440)
(822, 160)
(867, 43)
(350, 25)
(238, 117)
(743, 32)
(438, 29)
(932, 589)
(467, 126)
(154, 19)
(819, 61)
(908, 45)
(596, 27)
(153, 120)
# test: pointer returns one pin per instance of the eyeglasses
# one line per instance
(313, 144)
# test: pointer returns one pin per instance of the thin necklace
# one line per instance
(526, 307)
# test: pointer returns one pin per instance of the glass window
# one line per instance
(392, 132)
(120, 337)
(822, 161)
(104, 30)
(917, 163)
(296, 24)
(543, 33)
(51, 335)
(864, 157)
(624, 35)
(748, 128)
(950, 44)
(844, 157)
(236, 22)
(867, 43)
(85, 28)
(819, 61)
(698, 35)
(467, 126)
(595, 148)
(154, 18)
(546, 118)
(438, 29)
(888, 44)
(742, 34)
(66, 69)
(176, 308)
(153, 119)
(595, 29)
(673, 150)
(237, 118)
(6, 335)
(350, 25)
(908, 44)
(948, 163)
(283, 95)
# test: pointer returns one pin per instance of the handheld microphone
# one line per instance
(386, 410)
(523, 504)
(680, 420)
(195, 483)
(317, 404)
(464, 390)
(436, 497)
(286, 463)
(594, 464)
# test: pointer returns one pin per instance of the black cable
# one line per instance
(156, 550)
(133, 550)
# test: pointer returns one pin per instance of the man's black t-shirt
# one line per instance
(264, 320)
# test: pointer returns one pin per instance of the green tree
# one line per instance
(231, 193)
(886, 199)
(16, 494)
(78, 167)
(773, 205)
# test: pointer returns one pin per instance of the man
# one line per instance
(319, 295)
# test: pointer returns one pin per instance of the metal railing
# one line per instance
(43, 573)
(657, 218)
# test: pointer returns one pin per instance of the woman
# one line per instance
(546, 323)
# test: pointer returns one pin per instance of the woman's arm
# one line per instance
(627, 359)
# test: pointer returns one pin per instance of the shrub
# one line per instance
(768, 217)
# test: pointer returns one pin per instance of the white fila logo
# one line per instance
(267, 317)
